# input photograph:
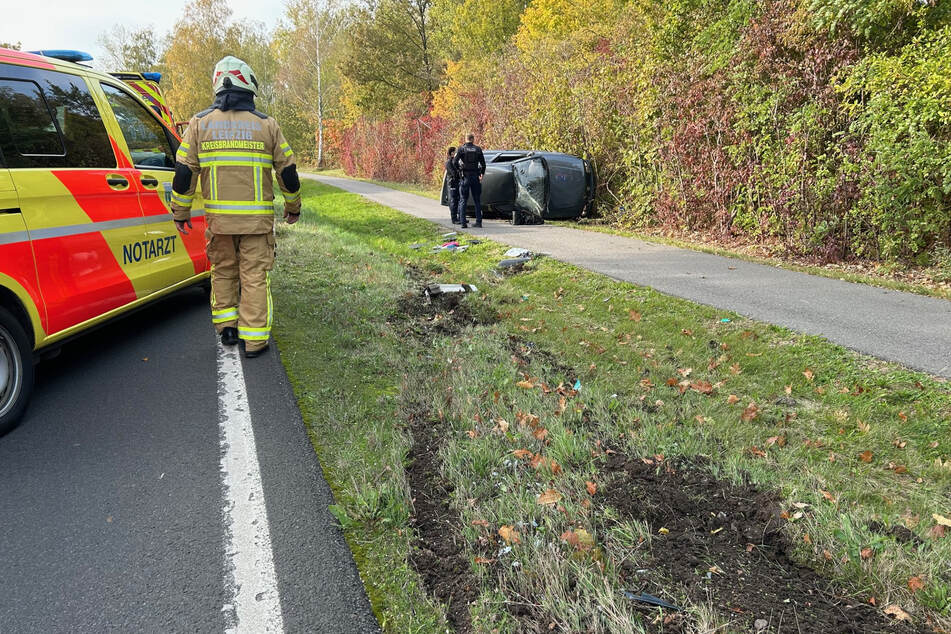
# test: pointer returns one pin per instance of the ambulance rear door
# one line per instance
(151, 147)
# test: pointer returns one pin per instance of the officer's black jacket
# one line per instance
(470, 159)
(452, 171)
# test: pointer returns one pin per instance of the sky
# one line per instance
(76, 24)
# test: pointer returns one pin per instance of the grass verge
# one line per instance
(522, 396)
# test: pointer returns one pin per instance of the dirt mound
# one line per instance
(722, 546)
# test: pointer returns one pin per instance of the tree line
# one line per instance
(820, 126)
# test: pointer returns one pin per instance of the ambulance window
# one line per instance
(145, 136)
(51, 120)
(84, 135)
(28, 128)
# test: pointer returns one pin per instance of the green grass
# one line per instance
(340, 278)
(882, 280)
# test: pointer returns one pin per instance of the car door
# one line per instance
(150, 146)
(78, 201)
(17, 268)
(531, 185)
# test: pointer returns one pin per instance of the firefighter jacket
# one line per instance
(230, 155)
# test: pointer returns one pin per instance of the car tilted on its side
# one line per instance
(86, 234)
(531, 186)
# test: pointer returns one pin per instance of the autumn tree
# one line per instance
(307, 44)
(391, 53)
(135, 50)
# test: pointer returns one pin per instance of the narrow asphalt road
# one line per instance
(113, 504)
(909, 329)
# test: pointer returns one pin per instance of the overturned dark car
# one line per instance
(531, 187)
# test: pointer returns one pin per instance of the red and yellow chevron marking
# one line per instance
(82, 250)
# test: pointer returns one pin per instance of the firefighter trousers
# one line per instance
(241, 285)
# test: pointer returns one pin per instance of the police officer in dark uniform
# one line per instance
(470, 160)
(452, 181)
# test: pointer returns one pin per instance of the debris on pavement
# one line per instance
(650, 599)
(517, 252)
(432, 290)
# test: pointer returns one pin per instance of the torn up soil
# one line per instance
(438, 553)
(724, 547)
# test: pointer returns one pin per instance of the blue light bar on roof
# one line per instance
(156, 77)
(65, 55)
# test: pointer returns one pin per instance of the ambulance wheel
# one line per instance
(16, 370)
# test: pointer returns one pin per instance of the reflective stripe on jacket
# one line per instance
(231, 154)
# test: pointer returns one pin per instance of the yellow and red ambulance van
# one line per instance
(86, 232)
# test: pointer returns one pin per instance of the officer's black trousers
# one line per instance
(454, 211)
(471, 183)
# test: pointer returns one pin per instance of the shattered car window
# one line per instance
(530, 185)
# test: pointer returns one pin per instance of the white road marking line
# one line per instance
(253, 604)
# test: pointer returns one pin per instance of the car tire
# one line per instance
(16, 371)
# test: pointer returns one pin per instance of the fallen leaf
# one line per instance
(482, 523)
(591, 486)
(687, 332)
(871, 600)
(483, 560)
(525, 385)
(937, 531)
(903, 417)
(863, 427)
(934, 445)
(715, 570)
(555, 468)
(571, 538)
(562, 404)
(684, 372)
(915, 584)
(806, 538)
(940, 519)
(541, 433)
(704, 387)
(700, 419)
(899, 443)
(472, 433)
(735, 369)
(827, 495)
(522, 453)
(866, 456)
(779, 441)
(732, 398)
(634, 315)
(509, 534)
(672, 382)
(756, 451)
(502, 425)
(548, 496)
(896, 613)
(808, 374)
(663, 531)
(827, 555)
(749, 413)
(646, 383)
(537, 461)
(788, 389)
(867, 553)
(897, 468)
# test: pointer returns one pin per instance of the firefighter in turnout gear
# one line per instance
(227, 156)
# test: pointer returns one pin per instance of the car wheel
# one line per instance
(16, 370)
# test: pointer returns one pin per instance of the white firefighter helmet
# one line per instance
(232, 72)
